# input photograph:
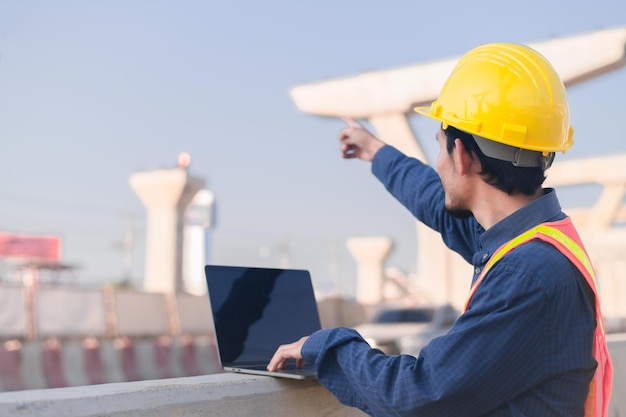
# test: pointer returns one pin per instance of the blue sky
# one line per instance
(92, 91)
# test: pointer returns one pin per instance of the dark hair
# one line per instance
(501, 174)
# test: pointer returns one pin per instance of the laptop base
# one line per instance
(293, 373)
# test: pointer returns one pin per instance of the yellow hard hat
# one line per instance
(507, 93)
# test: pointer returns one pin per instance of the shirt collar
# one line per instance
(545, 208)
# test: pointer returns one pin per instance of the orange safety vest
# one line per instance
(564, 237)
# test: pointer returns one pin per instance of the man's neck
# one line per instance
(492, 205)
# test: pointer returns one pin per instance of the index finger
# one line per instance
(350, 121)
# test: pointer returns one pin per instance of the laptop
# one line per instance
(255, 310)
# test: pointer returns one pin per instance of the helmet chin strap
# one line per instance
(517, 156)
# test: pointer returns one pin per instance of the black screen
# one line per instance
(257, 309)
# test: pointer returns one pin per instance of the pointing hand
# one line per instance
(357, 142)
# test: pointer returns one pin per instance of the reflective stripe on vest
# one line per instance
(563, 236)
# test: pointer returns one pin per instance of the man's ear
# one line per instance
(464, 161)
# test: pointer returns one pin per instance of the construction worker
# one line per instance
(530, 341)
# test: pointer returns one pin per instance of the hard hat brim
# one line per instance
(425, 111)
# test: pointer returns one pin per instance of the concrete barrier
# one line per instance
(225, 394)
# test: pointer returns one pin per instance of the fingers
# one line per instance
(286, 352)
(281, 357)
(352, 126)
(348, 149)
(299, 363)
(357, 142)
(277, 363)
(350, 121)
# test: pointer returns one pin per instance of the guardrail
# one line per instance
(55, 336)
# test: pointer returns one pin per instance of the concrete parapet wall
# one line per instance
(225, 394)
(212, 395)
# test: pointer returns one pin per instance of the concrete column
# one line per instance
(199, 219)
(165, 193)
(370, 254)
(395, 130)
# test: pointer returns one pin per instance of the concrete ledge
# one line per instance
(223, 394)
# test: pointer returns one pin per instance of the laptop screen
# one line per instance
(257, 309)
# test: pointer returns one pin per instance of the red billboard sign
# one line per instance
(40, 248)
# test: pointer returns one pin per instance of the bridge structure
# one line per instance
(385, 99)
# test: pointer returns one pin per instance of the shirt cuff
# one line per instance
(314, 345)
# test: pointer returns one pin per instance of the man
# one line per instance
(530, 341)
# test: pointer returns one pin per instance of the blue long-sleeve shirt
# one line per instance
(523, 348)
